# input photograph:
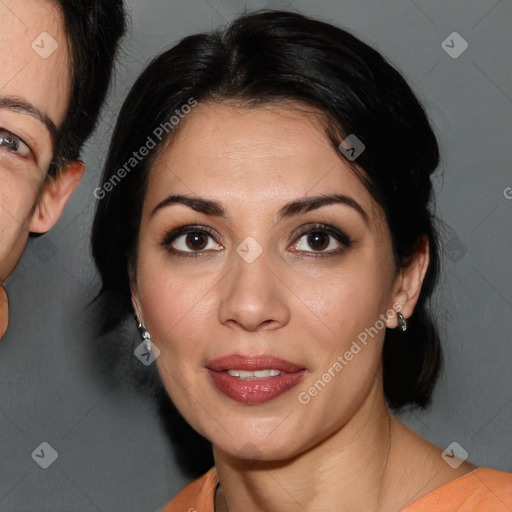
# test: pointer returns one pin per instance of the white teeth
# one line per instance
(257, 374)
(266, 373)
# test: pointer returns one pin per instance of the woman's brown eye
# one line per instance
(318, 241)
(322, 239)
(196, 241)
(190, 239)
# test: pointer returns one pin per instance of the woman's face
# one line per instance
(260, 249)
(34, 91)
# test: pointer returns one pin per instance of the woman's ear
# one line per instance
(54, 197)
(137, 308)
(409, 282)
(135, 295)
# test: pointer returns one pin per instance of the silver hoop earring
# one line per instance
(146, 337)
(402, 322)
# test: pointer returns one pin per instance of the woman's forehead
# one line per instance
(271, 144)
(254, 158)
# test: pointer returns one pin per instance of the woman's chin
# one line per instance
(250, 437)
(252, 453)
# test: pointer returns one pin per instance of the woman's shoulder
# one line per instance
(198, 496)
(481, 490)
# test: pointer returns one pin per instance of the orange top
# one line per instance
(482, 490)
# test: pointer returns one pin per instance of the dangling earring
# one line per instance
(4, 310)
(402, 322)
(146, 337)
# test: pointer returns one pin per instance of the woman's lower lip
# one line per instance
(256, 391)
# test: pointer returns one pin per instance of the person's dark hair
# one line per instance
(272, 57)
(94, 29)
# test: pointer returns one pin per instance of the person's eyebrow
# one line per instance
(24, 107)
(206, 206)
(306, 204)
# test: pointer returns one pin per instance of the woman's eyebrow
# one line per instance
(206, 206)
(23, 107)
(306, 204)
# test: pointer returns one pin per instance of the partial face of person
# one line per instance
(262, 259)
(35, 79)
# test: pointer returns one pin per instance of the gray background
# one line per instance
(62, 385)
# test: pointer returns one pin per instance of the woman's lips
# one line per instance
(254, 379)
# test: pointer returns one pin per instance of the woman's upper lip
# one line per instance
(253, 363)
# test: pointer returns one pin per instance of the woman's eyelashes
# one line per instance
(14, 144)
(320, 240)
(312, 240)
(191, 240)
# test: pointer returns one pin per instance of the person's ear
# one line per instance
(409, 282)
(135, 295)
(54, 197)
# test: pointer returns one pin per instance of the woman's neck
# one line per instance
(348, 471)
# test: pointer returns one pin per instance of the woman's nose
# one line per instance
(253, 298)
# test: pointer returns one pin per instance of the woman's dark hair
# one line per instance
(272, 57)
(94, 29)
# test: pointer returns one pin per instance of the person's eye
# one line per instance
(191, 240)
(321, 240)
(14, 144)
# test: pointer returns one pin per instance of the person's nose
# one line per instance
(253, 297)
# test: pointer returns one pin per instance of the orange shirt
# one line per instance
(482, 490)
